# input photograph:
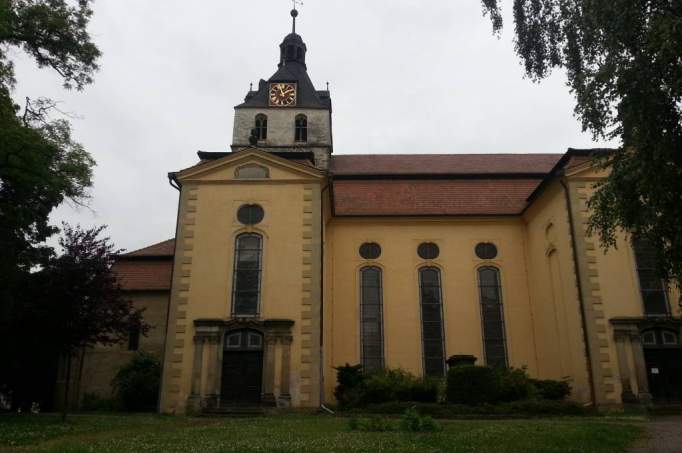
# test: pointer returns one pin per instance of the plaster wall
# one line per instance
(400, 263)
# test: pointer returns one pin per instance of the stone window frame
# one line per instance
(422, 322)
(500, 304)
(380, 321)
(301, 128)
(236, 269)
(260, 128)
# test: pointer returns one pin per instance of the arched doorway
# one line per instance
(242, 375)
(663, 356)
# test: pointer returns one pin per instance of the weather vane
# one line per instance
(294, 13)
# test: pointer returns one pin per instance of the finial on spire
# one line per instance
(294, 13)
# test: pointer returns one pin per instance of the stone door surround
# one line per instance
(209, 335)
(627, 334)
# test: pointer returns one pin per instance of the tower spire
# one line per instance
(294, 14)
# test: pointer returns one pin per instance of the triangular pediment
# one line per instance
(250, 165)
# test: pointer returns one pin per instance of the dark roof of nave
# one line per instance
(147, 269)
(443, 164)
(158, 250)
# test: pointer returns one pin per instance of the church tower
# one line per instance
(286, 114)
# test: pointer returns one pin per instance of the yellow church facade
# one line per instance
(290, 260)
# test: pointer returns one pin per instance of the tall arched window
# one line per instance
(371, 319)
(247, 275)
(492, 317)
(261, 127)
(651, 285)
(301, 128)
(432, 321)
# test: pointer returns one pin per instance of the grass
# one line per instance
(306, 433)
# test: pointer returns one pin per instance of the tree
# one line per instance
(75, 302)
(623, 59)
(41, 166)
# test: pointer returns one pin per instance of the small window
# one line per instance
(234, 341)
(134, 338)
(250, 214)
(301, 128)
(669, 338)
(255, 340)
(486, 251)
(649, 338)
(261, 128)
(428, 251)
(251, 172)
(370, 250)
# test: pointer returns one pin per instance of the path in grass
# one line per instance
(664, 435)
(306, 433)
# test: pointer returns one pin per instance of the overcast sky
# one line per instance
(406, 77)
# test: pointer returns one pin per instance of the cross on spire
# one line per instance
(294, 13)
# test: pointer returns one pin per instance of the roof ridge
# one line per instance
(132, 253)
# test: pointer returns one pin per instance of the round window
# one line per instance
(370, 250)
(250, 214)
(486, 251)
(428, 251)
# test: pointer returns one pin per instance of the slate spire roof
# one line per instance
(291, 68)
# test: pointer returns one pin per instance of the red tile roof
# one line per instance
(144, 275)
(442, 164)
(432, 197)
(165, 248)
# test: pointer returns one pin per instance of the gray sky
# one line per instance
(406, 77)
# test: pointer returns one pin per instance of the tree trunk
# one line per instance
(67, 384)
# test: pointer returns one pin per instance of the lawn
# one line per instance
(306, 433)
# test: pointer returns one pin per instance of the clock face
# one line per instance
(282, 94)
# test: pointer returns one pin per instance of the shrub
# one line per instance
(527, 408)
(471, 385)
(412, 421)
(136, 385)
(551, 390)
(349, 378)
(93, 402)
(371, 424)
(356, 389)
(513, 385)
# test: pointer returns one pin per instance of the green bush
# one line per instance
(469, 384)
(528, 408)
(356, 389)
(136, 385)
(513, 385)
(412, 421)
(95, 403)
(551, 390)
(349, 379)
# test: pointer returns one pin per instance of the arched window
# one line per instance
(371, 324)
(650, 284)
(432, 321)
(247, 275)
(301, 128)
(492, 317)
(261, 127)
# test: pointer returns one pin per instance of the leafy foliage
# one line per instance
(474, 385)
(524, 408)
(54, 33)
(136, 385)
(551, 390)
(622, 59)
(356, 389)
(410, 421)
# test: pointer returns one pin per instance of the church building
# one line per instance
(290, 260)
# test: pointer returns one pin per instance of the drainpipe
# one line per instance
(174, 184)
(322, 242)
(581, 299)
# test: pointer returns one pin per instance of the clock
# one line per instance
(282, 94)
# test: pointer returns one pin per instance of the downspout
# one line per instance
(581, 299)
(322, 244)
(174, 184)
